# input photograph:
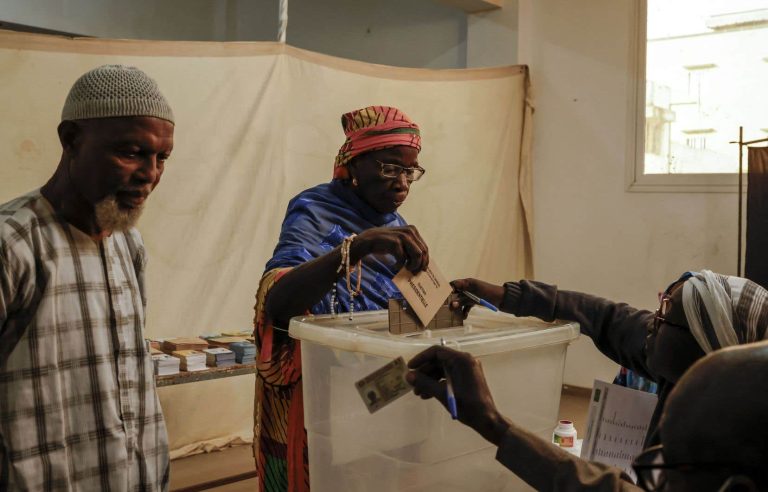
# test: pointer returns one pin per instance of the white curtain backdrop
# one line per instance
(256, 124)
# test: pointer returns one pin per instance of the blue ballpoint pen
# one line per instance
(480, 301)
(450, 396)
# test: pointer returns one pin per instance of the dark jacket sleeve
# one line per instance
(617, 329)
(547, 468)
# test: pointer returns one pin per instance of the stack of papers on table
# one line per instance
(165, 364)
(191, 360)
(219, 341)
(219, 357)
(238, 333)
(245, 352)
(177, 344)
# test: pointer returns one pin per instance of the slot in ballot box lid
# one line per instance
(484, 333)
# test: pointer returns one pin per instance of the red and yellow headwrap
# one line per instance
(374, 128)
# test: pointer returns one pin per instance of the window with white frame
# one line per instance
(706, 68)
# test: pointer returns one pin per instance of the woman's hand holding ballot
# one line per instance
(493, 294)
(404, 243)
(475, 406)
(307, 283)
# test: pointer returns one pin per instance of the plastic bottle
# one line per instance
(565, 434)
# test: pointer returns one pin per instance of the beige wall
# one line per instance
(492, 37)
(405, 33)
(408, 33)
(199, 20)
(590, 234)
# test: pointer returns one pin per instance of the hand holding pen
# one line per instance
(472, 291)
(472, 297)
(450, 396)
(431, 371)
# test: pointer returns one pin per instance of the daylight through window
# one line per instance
(706, 75)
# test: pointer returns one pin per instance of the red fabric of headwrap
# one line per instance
(374, 128)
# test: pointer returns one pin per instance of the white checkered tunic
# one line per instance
(78, 409)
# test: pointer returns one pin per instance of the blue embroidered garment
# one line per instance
(317, 221)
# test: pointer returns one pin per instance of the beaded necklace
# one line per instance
(346, 245)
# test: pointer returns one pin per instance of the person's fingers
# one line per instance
(487, 291)
(413, 252)
(463, 303)
(427, 387)
(401, 259)
(466, 309)
(464, 300)
(423, 357)
(462, 308)
(460, 284)
(422, 246)
(433, 370)
(404, 243)
(473, 286)
(417, 251)
(436, 355)
(477, 287)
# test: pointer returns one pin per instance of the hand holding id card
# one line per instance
(384, 385)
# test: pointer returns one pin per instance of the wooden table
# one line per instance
(211, 373)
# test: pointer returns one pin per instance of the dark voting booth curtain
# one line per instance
(756, 260)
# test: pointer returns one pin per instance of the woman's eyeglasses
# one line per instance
(393, 171)
(665, 307)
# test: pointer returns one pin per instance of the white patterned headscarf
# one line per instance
(722, 310)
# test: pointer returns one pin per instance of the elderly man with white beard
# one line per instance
(78, 409)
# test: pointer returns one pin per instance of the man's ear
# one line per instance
(69, 136)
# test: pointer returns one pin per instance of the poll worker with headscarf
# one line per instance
(340, 245)
(78, 409)
(698, 313)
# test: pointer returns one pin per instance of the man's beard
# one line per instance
(110, 217)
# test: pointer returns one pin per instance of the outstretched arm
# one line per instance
(617, 329)
(302, 287)
(542, 465)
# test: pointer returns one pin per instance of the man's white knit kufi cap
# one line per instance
(111, 91)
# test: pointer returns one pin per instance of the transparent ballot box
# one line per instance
(412, 444)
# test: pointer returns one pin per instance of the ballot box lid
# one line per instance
(484, 333)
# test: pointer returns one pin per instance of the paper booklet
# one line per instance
(617, 424)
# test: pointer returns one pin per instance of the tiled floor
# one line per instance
(187, 472)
